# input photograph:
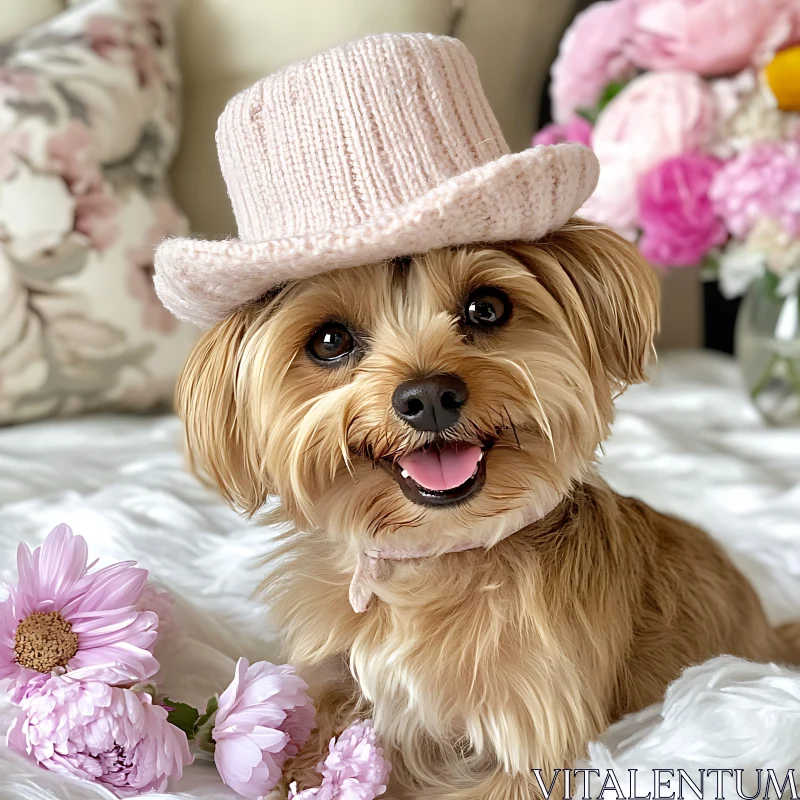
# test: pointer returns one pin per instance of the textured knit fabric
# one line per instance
(379, 148)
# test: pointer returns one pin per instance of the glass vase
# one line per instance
(768, 350)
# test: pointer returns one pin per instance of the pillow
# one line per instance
(88, 128)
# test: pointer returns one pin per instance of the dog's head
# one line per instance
(425, 396)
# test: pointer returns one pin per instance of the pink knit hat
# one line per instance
(379, 148)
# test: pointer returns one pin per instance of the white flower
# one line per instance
(748, 112)
(781, 251)
(738, 268)
(768, 247)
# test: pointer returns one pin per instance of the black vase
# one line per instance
(719, 316)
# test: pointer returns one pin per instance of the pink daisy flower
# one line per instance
(60, 616)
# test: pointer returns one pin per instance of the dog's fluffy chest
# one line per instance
(464, 652)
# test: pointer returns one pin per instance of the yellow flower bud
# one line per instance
(783, 77)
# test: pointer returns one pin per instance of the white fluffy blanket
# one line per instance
(688, 443)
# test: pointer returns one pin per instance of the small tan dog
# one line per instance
(452, 566)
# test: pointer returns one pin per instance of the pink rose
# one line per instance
(677, 217)
(762, 181)
(657, 116)
(710, 37)
(577, 129)
(590, 57)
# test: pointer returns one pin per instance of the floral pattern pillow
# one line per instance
(88, 127)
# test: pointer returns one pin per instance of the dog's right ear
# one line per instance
(220, 440)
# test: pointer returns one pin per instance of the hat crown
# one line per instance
(333, 142)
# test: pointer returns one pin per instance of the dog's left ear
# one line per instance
(610, 295)
(221, 445)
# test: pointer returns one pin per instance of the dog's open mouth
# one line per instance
(440, 475)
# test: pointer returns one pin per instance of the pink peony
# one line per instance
(655, 117)
(577, 129)
(60, 615)
(679, 225)
(110, 736)
(590, 57)
(263, 718)
(762, 181)
(355, 768)
(710, 37)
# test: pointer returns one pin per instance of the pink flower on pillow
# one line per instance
(168, 222)
(762, 181)
(577, 129)
(16, 84)
(13, 143)
(121, 42)
(711, 37)
(96, 215)
(656, 116)
(677, 217)
(73, 154)
(591, 55)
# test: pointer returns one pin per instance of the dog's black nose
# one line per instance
(432, 403)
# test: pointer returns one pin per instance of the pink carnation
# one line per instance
(110, 736)
(577, 129)
(590, 57)
(679, 225)
(355, 768)
(762, 181)
(263, 718)
(656, 116)
(710, 37)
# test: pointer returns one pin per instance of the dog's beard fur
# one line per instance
(263, 419)
(476, 666)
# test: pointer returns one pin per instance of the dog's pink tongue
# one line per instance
(442, 469)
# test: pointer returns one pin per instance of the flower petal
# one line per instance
(58, 565)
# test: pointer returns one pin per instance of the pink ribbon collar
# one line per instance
(368, 568)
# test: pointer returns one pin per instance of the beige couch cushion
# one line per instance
(17, 15)
(229, 44)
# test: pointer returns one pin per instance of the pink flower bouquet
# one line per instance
(76, 650)
(692, 109)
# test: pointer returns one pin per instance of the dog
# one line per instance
(415, 345)
(475, 666)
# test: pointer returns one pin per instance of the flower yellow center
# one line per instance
(44, 642)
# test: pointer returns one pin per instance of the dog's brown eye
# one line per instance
(330, 342)
(487, 307)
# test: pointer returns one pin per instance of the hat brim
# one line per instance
(521, 196)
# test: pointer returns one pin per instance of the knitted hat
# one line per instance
(376, 149)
